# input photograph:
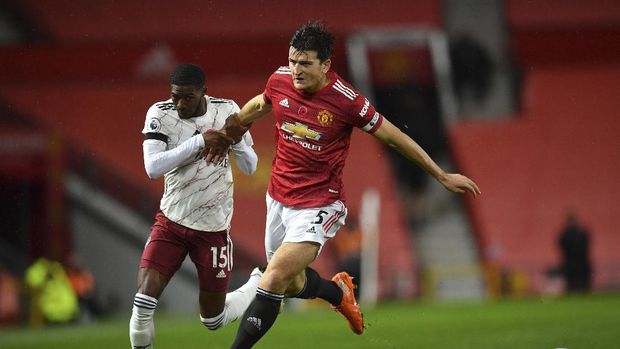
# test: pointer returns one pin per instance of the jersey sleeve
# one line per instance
(247, 139)
(273, 79)
(156, 125)
(268, 90)
(234, 109)
(364, 115)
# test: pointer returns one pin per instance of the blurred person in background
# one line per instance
(315, 111)
(9, 297)
(196, 207)
(83, 283)
(348, 244)
(52, 299)
(574, 243)
(472, 70)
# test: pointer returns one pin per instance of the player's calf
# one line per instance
(141, 327)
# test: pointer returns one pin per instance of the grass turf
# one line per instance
(570, 322)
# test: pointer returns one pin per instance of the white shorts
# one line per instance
(290, 224)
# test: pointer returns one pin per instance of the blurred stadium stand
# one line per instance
(83, 74)
(80, 75)
(559, 154)
(559, 151)
(570, 32)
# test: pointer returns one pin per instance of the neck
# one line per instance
(324, 81)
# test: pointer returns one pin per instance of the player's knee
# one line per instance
(277, 279)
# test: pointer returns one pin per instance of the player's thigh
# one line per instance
(274, 226)
(163, 254)
(212, 254)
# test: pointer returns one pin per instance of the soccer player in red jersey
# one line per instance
(315, 112)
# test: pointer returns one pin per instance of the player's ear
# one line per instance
(326, 65)
(204, 90)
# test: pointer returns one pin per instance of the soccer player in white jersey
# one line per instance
(315, 112)
(196, 207)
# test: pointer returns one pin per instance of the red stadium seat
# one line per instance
(572, 32)
(104, 20)
(560, 154)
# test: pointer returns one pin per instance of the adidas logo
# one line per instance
(221, 275)
(284, 102)
(255, 321)
(311, 230)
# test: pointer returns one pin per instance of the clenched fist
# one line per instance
(234, 128)
(216, 145)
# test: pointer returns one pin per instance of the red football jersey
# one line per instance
(313, 134)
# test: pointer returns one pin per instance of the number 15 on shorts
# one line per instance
(220, 260)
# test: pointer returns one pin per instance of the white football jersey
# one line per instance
(196, 195)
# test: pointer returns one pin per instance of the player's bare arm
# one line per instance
(253, 110)
(395, 138)
(237, 124)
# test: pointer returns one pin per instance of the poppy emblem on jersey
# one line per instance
(302, 111)
(325, 118)
(300, 130)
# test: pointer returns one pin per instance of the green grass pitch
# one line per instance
(588, 322)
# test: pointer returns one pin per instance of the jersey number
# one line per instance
(223, 258)
(319, 217)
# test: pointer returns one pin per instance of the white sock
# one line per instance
(236, 303)
(213, 323)
(141, 325)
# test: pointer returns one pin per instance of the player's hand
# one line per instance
(234, 129)
(458, 183)
(216, 145)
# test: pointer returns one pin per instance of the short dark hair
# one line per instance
(313, 36)
(187, 74)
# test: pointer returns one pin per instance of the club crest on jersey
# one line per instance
(325, 118)
(299, 130)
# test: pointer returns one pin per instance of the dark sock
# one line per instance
(316, 286)
(257, 319)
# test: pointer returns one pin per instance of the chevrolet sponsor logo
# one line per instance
(300, 130)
